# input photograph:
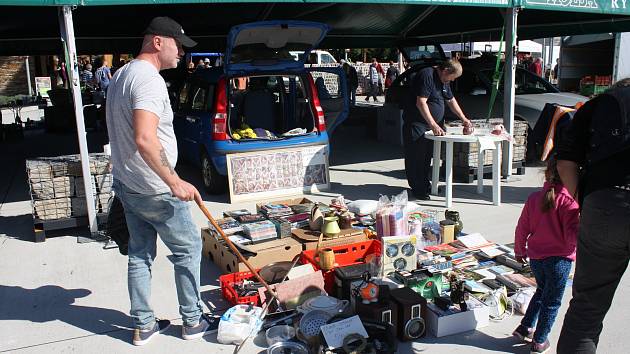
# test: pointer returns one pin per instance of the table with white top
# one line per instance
(488, 142)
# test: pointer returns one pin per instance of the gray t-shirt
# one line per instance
(138, 85)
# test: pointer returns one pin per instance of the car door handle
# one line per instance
(192, 119)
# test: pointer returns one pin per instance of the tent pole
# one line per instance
(509, 91)
(28, 76)
(72, 67)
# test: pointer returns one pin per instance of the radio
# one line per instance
(412, 308)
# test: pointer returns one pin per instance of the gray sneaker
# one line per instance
(207, 324)
(142, 337)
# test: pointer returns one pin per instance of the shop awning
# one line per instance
(99, 28)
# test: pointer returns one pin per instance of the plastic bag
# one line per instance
(238, 323)
(522, 298)
(391, 218)
(363, 206)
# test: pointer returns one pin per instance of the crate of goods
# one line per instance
(466, 155)
(103, 202)
(346, 255)
(99, 164)
(79, 186)
(57, 187)
(258, 255)
(104, 183)
(51, 209)
(241, 279)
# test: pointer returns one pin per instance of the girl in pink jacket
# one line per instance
(546, 234)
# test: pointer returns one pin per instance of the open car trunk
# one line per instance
(270, 107)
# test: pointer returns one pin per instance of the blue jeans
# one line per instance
(147, 216)
(551, 277)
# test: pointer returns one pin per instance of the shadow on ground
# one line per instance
(53, 303)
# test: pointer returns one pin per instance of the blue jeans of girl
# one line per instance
(551, 278)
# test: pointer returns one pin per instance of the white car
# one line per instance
(315, 57)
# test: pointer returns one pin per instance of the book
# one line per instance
(476, 287)
(474, 241)
(516, 281)
(501, 269)
(244, 219)
(490, 251)
(485, 273)
(235, 213)
(228, 225)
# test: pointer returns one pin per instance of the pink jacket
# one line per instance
(554, 233)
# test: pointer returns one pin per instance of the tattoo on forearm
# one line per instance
(165, 162)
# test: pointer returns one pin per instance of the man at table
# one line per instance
(424, 111)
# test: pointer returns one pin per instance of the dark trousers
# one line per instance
(418, 152)
(373, 92)
(551, 276)
(602, 258)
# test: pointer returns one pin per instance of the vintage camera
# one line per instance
(385, 310)
(412, 308)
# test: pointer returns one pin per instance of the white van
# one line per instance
(315, 57)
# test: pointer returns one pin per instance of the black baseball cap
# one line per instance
(167, 27)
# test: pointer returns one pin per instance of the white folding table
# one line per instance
(450, 139)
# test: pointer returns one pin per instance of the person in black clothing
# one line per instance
(423, 111)
(594, 163)
(353, 80)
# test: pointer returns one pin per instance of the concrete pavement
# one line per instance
(64, 297)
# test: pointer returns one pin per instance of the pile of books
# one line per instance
(260, 231)
(228, 225)
(276, 210)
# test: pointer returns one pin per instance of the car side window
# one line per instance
(327, 59)
(199, 99)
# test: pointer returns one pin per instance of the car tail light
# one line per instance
(317, 108)
(219, 125)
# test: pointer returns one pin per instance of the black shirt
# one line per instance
(575, 144)
(426, 83)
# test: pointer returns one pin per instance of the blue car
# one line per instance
(261, 99)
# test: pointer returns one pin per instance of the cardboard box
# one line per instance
(288, 202)
(258, 255)
(308, 239)
(443, 325)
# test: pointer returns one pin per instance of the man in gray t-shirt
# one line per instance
(144, 153)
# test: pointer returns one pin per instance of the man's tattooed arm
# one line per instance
(165, 162)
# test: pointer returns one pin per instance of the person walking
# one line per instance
(546, 234)
(392, 74)
(374, 80)
(353, 80)
(594, 163)
(536, 67)
(103, 76)
(424, 111)
(155, 198)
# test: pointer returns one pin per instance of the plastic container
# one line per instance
(280, 333)
(227, 288)
(346, 255)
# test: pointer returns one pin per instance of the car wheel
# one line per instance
(213, 182)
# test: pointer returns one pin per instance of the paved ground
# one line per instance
(64, 297)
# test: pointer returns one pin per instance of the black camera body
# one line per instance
(412, 309)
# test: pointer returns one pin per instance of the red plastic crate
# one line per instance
(345, 255)
(227, 288)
